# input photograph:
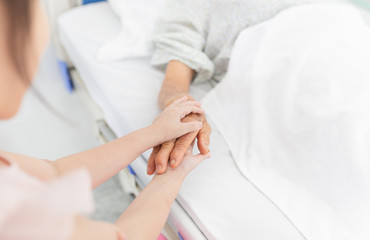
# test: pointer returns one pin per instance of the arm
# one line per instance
(105, 161)
(147, 214)
(150, 208)
(102, 162)
(179, 43)
(176, 85)
(143, 219)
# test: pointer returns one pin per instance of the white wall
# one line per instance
(37, 132)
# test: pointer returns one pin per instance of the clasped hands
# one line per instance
(172, 153)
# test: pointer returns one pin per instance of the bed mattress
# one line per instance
(221, 202)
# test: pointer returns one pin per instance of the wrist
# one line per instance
(155, 135)
(171, 176)
(173, 97)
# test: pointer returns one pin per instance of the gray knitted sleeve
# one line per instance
(180, 35)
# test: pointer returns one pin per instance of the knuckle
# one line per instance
(162, 156)
(206, 128)
(161, 160)
(184, 139)
(177, 155)
(181, 147)
(164, 153)
(168, 145)
(185, 142)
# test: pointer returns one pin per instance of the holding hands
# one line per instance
(169, 121)
(184, 121)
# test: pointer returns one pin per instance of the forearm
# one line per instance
(147, 214)
(102, 162)
(176, 83)
(105, 161)
(41, 169)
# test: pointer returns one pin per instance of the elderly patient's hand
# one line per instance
(188, 163)
(173, 151)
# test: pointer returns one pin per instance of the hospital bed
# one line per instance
(215, 201)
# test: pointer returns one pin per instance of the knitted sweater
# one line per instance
(201, 33)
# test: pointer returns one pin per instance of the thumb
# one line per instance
(191, 127)
(197, 159)
(201, 157)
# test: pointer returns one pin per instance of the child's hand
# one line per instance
(168, 124)
(189, 162)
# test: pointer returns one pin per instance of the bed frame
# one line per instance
(179, 224)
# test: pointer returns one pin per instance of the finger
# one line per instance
(186, 110)
(151, 161)
(191, 127)
(181, 146)
(201, 157)
(180, 100)
(191, 148)
(163, 156)
(194, 117)
(192, 103)
(204, 138)
(197, 159)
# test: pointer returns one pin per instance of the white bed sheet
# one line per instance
(218, 198)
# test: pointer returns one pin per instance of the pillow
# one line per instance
(138, 19)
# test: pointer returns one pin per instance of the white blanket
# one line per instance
(294, 109)
(138, 18)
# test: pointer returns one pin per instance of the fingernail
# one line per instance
(148, 169)
(173, 162)
(159, 168)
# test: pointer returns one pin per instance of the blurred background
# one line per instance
(37, 132)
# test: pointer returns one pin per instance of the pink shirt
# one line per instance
(34, 210)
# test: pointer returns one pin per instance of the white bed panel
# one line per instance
(217, 197)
